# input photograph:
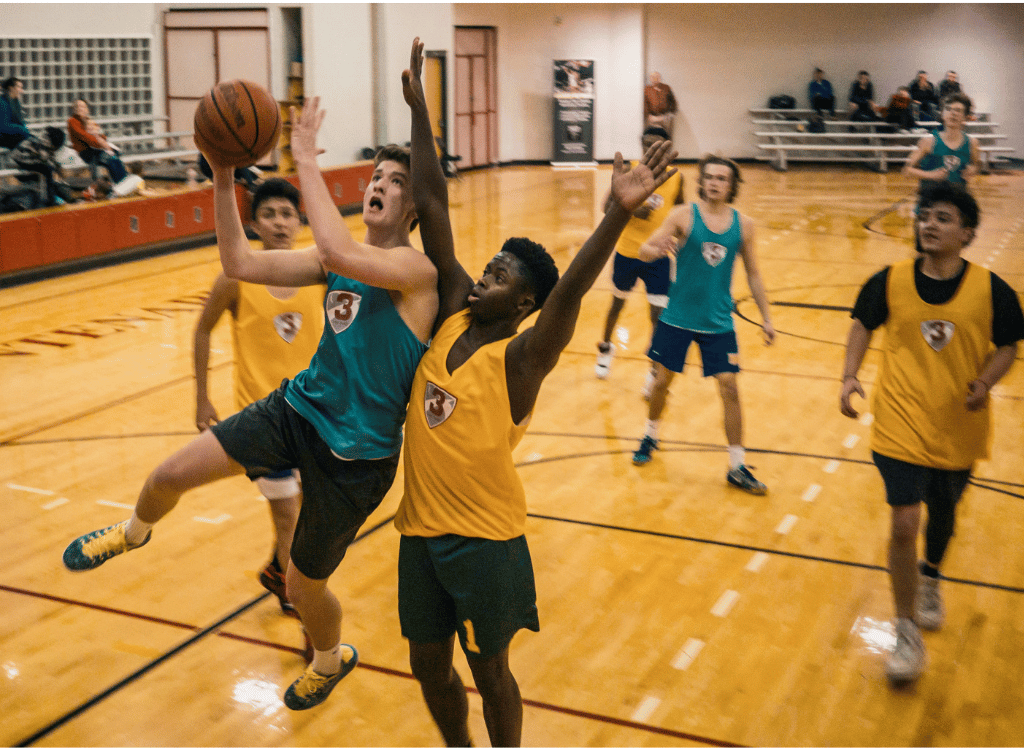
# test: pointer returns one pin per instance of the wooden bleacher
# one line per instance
(783, 137)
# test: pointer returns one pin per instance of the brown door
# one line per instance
(476, 95)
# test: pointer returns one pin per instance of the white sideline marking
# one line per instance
(42, 491)
(214, 521)
(867, 419)
(104, 502)
(812, 492)
(831, 466)
(646, 709)
(56, 503)
(687, 654)
(533, 457)
(786, 524)
(725, 603)
(757, 561)
(851, 441)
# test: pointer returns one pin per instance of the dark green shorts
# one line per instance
(482, 589)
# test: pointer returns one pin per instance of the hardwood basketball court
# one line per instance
(674, 609)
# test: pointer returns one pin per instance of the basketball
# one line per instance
(237, 123)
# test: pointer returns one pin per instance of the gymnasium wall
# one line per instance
(722, 59)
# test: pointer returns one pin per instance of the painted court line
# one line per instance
(725, 603)
(646, 709)
(786, 524)
(831, 466)
(55, 503)
(214, 520)
(867, 419)
(851, 441)
(812, 492)
(41, 491)
(757, 561)
(104, 502)
(687, 654)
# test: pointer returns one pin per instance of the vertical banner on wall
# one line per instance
(574, 113)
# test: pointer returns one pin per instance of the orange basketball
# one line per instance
(237, 123)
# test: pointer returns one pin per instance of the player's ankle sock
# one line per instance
(736, 456)
(136, 530)
(651, 429)
(327, 662)
(928, 570)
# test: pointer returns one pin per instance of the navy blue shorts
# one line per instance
(719, 352)
(482, 589)
(655, 275)
(907, 484)
(338, 495)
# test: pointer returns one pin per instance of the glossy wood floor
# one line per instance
(674, 610)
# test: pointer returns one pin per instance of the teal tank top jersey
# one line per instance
(700, 297)
(942, 155)
(356, 388)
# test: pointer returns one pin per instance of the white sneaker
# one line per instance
(930, 613)
(604, 360)
(907, 661)
(128, 186)
(648, 387)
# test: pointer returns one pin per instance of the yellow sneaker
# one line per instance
(312, 688)
(92, 550)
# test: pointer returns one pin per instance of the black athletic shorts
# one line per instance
(337, 495)
(907, 484)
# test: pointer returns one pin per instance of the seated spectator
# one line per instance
(87, 138)
(924, 96)
(12, 119)
(949, 86)
(900, 110)
(37, 154)
(862, 99)
(819, 93)
(250, 176)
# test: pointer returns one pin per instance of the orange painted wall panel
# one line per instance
(59, 236)
(20, 245)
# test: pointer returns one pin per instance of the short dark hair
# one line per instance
(272, 188)
(934, 191)
(56, 136)
(864, 72)
(660, 132)
(818, 70)
(541, 271)
(922, 72)
(709, 158)
(957, 97)
(11, 82)
(401, 154)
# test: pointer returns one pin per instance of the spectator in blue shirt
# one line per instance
(12, 120)
(819, 93)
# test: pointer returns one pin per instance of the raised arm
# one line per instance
(539, 347)
(299, 267)
(394, 268)
(430, 192)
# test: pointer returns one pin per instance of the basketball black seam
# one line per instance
(255, 119)
(277, 121)
(213, 98)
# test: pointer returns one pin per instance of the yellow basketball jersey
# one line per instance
(459, 475)
(639, 230)
(932, 352)
(273, 338)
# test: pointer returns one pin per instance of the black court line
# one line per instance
(200, 635)
(98, 438)
(823, 307)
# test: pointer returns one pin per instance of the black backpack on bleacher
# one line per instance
(782, 101)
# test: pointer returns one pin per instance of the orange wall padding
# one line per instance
(54, 235)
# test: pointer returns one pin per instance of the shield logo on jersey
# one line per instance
(713, 253)
(937, 333)
(342, 308)
(288, 325)
(951, 162)
(437, 404)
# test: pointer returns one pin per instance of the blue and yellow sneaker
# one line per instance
(312, 688)
(92, 550)
(643, 455)
(741, 477)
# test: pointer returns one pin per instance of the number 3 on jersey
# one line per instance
(342, 308)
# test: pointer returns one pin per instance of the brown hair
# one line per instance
(401, 155)
(710, 158)
(958, 98)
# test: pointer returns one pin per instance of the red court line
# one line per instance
(375, 668)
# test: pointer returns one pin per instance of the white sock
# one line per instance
(736, 456)
(651, 429)
(136, 530)
(327, 662)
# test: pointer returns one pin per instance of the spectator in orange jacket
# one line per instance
(87, 138)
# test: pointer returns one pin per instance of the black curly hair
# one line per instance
(541, 271)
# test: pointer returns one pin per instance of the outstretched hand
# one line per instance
(412, 86)
(631, 187)
(305, 127)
